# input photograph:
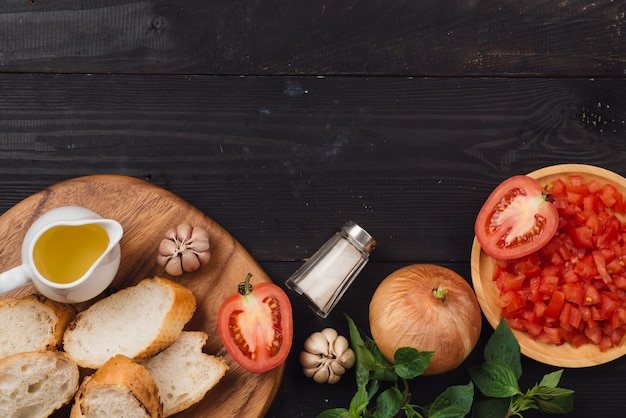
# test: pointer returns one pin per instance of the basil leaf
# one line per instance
(389, 403)
(491, 408)
(544, 392)
(503, 347)
(410, 363)
(337, 413)
(454, 402)
(384, 374)
(551, 380)
(359, 401)
(495, 379)
(561, 405)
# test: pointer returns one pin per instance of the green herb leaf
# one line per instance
(503, 347)
(363, 356)
(409, 363)
(389, 403)
(560, 405)
(522, 403)
(454, 402)
(337, 413)
(495, 379)
(551, 380)
(545, 392)
(359, 401)
(491, 408)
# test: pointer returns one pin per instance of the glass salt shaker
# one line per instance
(323, 279)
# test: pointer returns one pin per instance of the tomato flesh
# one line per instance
(257, 328)
(576, 291)
(515, 220)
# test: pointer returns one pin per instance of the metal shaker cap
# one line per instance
(359, 236)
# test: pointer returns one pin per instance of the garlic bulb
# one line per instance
(326, 356)
(184, 248)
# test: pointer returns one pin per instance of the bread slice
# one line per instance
(120, 388)
(36, 383)
(183, 373)
(137, 321)
(32, 323)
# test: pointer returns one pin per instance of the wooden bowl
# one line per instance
(482, 267)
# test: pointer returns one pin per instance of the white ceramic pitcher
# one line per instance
(98, 273)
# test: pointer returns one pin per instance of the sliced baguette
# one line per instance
(32, 323)
(120, 388)
(138, 322)
(35, 384)
(183, 373)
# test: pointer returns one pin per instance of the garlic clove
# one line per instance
(317, 344)
(184, 232)
(321, 375)
(333, 378)
(347, 358)
(190, 261)
(174, 267)
(310, 360)
(340, 345)
(337, 368)
(330, 334)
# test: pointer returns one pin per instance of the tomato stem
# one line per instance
(440, 293)
(245, 288)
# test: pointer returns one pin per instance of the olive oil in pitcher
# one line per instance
(63, 254)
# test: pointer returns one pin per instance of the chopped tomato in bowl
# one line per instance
(566, 301)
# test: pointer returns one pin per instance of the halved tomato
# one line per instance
(516, 219)
(256, 326)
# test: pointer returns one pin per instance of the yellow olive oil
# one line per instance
(64, 253)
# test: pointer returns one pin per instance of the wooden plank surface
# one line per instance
(427, 37)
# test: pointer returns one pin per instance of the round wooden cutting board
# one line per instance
(146, 212)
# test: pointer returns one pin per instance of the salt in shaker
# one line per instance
(325, 277)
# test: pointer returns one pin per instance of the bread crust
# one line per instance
(122, 372)
(55, 315)
(199, 378)
(180, 312)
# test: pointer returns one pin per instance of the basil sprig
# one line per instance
(383, 387)
(498, 378)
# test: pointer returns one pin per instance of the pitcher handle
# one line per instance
(13, 279)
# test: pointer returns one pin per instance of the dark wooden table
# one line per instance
(282, 120)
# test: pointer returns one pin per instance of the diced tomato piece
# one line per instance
(548, 284)
(533, 328)
(576, 184)
(620, 281)
(555, 187)
(617, 336)
(565, 315)
(594, 334)
(582, 236)
(593, 186)
(575, 317)
(550, 335)
(592, 296)
(508, 281)
(555, 305)
(600, 261)
(586, 268)
(605, 342)
(512, 301)
(573, 292)
(540, 309)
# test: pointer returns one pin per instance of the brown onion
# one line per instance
(429, 308)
